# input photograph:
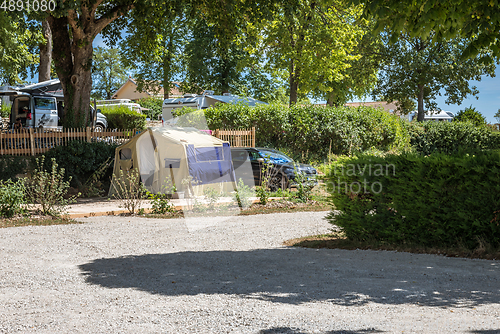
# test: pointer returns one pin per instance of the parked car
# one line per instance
(283, 171)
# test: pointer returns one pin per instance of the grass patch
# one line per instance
(35, 221)
(337, 240)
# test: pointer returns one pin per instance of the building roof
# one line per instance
(175, 91)
(388, 106)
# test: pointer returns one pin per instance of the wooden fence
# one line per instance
(36, 141)
(237, 138)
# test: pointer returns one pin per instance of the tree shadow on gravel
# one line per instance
(288, 330)
(295, 276)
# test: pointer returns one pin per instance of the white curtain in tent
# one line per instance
(147, 161)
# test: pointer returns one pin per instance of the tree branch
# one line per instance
(109, 17)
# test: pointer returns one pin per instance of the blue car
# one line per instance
(282, 173)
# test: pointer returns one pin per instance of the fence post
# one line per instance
(88, 135)
(32, 142)
(1, 143)
(253, 136)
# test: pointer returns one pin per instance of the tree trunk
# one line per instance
(73, 60)
(330, 98)
(45, 53)
(420, 104)
(293, 84)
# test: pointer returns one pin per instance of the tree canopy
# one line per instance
(108, 72)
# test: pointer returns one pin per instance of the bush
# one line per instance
(121, 117)
(437, 200)
(82, 159)
(471, 115)
(154, 106)
(311, 132)
(4, 110)
(11, 198)
(48, 188)
(11, 166)
(451, 137)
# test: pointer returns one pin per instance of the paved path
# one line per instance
(231, 275)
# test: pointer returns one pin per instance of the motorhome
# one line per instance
(204, 101)
(40, 105)
(119, 102)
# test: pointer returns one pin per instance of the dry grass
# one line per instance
(35, 221)
(338, 241)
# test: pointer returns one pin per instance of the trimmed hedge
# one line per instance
(121, 117)
(11, 166)
(81, 159)
(452, 137)
(314, 131)
(437, 200)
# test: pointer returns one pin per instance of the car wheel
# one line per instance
(99, 128)
(278, 181)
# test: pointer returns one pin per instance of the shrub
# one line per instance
(311, 132)
(11, 198)
(437, 200)
(11, 166)
(82, 159)
(154, 106)
(5, 110)
(451, 137)
(48, 188)
(471, 115)
(121, 117)
(129, 189)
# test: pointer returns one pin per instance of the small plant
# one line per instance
(130, 190)
(212, 196)
(48, 189)
(94, 186)
(304, 187)
(160, 204)
(11, 198)
(188, 183)
(243, 194)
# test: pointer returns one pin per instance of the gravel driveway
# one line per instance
(231, 275)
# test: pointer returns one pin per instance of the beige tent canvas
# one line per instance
(189, 159)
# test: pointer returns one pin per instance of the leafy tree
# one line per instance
(416, 70)
(154, 45)
(108, 73)
(153, 106)
(19, 40)
(471, 115)
(475, 20)
(497, 116)
(44, 68)
(310, 40)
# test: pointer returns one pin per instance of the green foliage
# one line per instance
(94, 186)
(470, 114)
(304, 188)
(12, 165)
(311, 132)
(212, 195)
(48, 188)
(11, 198)
(160, 203)
(129, 189)
(5, 111)
(497, 115)
(82, 160)
(243, 195)
(437, 200)
(451, 137)
(154, 105)
(417, 70)
(108, 73)
(121, 117)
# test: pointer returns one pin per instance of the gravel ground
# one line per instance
(231, 275)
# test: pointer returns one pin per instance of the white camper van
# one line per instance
(119, 102)
(41, 105)
(204, 101)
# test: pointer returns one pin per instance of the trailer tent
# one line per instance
(168, 156)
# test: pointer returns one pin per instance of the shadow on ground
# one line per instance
(288, 330)
(295, 276)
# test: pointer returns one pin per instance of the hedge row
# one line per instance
(308, 130)
(437, 200)
(121, 117)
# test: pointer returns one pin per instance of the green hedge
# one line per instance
(452, 137)
(81, 159)
(436, 200)
(314, 131)
(11, 165)
(121, 117)
(154, 106)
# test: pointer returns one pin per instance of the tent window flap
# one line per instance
(217, 170)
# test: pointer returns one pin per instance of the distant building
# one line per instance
(129, 91)
(437, 116)
(387, 106)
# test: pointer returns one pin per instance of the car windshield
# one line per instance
(276, 157)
